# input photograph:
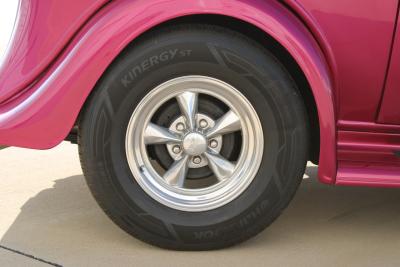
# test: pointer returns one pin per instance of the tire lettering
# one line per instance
(152, 61)
(243, 223)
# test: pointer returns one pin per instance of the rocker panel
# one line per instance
(368, 156)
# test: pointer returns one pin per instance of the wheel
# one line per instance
(195, 138)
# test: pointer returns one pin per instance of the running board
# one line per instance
(368, 158)
(372, 175)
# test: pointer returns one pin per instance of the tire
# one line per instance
(231, 60)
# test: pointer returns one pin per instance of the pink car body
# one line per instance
(349, 52)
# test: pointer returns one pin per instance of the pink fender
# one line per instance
(45, 112)
(42, 30)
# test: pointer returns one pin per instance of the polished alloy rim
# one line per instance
(194, 140)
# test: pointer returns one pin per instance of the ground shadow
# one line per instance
(64, 222)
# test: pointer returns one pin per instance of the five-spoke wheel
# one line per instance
(194, 140)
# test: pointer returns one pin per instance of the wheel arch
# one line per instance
(283, 56)
(40, 107)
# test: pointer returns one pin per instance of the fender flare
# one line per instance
(43, 115)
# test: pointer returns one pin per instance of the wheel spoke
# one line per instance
(155, 134)
(228, 123)
(188, 104)
(176, 174)
(221, 167)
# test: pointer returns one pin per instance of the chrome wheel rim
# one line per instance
(194, 139)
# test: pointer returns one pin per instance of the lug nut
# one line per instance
(213, 143)
(203, 123)
(180, 126)
(176, 149)
(197, 160)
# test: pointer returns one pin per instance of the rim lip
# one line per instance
(208, 198)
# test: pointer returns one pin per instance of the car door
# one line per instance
(358, 36)
(390, 107)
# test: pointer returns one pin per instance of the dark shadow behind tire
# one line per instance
(194, 50)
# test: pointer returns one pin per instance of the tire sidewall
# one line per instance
(255, 73)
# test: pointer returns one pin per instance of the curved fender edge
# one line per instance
(42, 117)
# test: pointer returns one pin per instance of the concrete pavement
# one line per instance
(48, 217)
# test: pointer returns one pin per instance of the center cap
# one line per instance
(194, 144)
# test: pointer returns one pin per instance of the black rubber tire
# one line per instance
(194, 50)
